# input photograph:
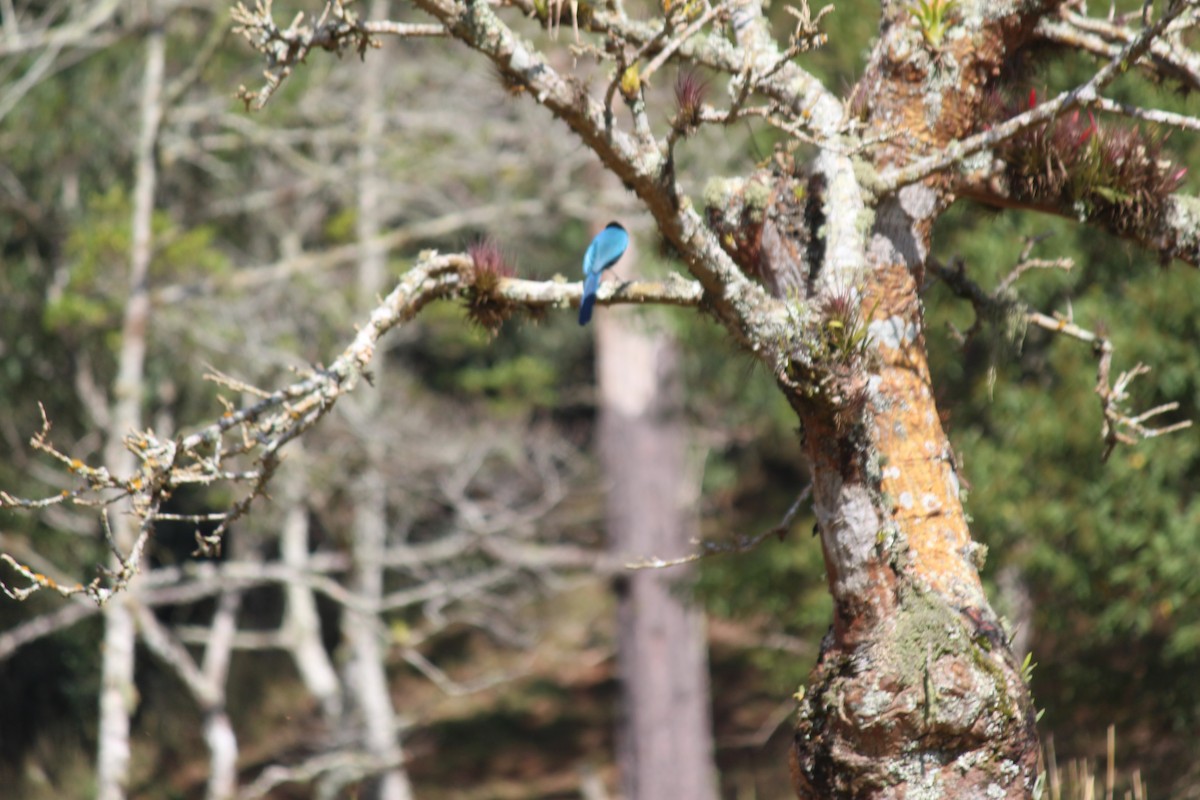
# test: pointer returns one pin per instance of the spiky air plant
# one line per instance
(843, 325)
(1112, 173)
(690, 91)
(484, 307)
(837, 338)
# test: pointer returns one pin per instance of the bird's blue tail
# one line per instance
(590, 284)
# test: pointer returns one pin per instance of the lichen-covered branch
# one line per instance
(244, 446)
(1169, 56)
(337, 29)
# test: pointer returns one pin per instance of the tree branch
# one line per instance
(1121, 426)
(1173, 232)
(738, 303)
(261, 429)
(1167, 58)
(892, 180)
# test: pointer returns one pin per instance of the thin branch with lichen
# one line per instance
(218, 452)
(336, 30)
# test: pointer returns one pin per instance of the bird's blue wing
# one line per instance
(610, 244)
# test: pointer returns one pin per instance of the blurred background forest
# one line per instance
(502, 670)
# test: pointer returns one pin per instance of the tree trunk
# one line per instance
(118, 694)
(366, 672)
(301, 626)
(665, 745)
(916, 690)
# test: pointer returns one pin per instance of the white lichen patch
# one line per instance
(918, 201)
(874, 704)
(923, 780)
(1010, 770)
(894, 332)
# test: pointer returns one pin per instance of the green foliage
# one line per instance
(513, 383)
(776, 590)
(1027, 667)
(97, 252)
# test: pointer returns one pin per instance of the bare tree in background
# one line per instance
(118, 697)
(400, 557)
(813, 264)
(652, 495)
(666, 713)
(366, 678)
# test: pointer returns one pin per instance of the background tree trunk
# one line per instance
(665, 743)
(366, 677)
(118, 693)
(301, 626)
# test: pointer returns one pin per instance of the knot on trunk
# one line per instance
(929, 700)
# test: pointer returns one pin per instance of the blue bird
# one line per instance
(604, 251)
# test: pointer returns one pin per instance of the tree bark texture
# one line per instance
(665, 745)
(916, 691)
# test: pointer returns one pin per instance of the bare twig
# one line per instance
(1168, 56)
(675, 42)
(742, 544)
(1026, 262)
(337, 29)
(1120, 426)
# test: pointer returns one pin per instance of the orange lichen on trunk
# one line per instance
(916, 463)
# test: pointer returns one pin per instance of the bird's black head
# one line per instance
(615, 224)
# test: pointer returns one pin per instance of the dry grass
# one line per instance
(1077, 779)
